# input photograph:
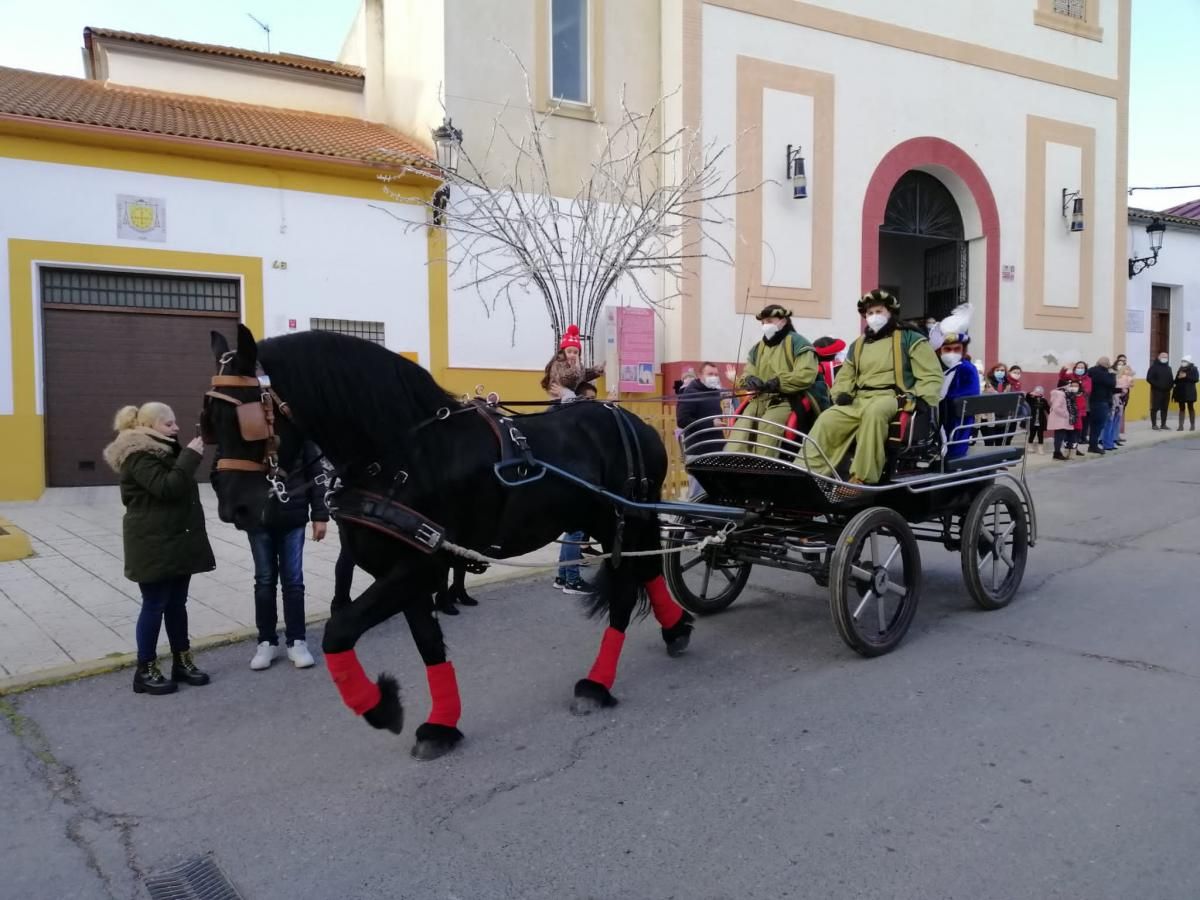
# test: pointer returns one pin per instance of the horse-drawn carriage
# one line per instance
(858, 540)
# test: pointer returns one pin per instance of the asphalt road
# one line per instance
(1045, 750)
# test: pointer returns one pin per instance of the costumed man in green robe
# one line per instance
(889, 369)
(783, 374)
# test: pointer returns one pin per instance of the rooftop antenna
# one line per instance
(264, 26)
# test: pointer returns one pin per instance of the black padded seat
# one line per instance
(985, 458)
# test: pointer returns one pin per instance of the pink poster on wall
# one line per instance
(635, 350)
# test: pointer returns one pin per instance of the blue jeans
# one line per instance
(570, 552)
(163, 601)
(1112, 430)
(1097, 423)
(278, 557)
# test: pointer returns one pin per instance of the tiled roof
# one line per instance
(307, 63)
(1149, 215)
(1189, 210)
(58, 98)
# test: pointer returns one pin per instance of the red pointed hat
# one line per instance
(828, 347)
(571, 339)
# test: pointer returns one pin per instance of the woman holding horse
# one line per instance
(165, 540)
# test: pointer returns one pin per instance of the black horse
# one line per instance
(397, 439)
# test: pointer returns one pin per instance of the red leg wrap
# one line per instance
(358, 691)
(604, 669)
(443, 688)
(666, 610)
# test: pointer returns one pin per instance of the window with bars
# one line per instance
(1160, 298)
(371, 331)
(132, 291)
(1075, 9)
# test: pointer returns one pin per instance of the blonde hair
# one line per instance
(146, 416)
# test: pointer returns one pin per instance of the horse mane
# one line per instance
(353, 397)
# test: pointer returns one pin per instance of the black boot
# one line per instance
(444, 604)
(462, 598)
(183, 668)
(148, 679)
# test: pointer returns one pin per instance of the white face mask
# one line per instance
(998, 374)
(875, 321)
(1162, 359)
(713, 381)
(950, 360)
(770, 330)
(1080, 371)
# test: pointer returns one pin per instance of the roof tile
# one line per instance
(291, 60)
(37, 95)
(1189, 210)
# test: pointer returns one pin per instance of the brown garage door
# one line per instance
(113, 338)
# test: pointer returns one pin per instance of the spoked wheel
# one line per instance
(995, 546)
(875, 580)
(703, 582)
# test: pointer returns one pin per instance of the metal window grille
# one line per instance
(1076, 9)
(1160, 297)
(131, 290)
(370, 331)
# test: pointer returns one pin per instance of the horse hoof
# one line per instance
(590, 697)
(388, 713)
(679, 635)
(679, 646)
(434, 741)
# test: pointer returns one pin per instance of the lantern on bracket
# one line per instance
(795, 173)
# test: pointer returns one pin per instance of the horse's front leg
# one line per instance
(595, 691)
(438, 734)
(376, 701)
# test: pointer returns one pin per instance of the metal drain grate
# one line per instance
(196, 879)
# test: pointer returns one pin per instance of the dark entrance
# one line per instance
(114, 338)
(1160, 320)
(922, 251)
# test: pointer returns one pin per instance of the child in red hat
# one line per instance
(566, 372)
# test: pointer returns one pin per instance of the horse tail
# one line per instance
(625, 583)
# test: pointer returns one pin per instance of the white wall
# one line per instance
(1178, 267)
(344, 259)
(242, 84)
(1064, 168)
(1000, 24)
(980, 110)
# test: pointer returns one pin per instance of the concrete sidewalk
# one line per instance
(68, 610)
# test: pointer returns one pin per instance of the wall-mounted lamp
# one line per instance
(795, 173)
(447, 141)
(1155, 231)
(1075, 200)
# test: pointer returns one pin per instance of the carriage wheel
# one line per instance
(704, 582)
(995, 546)
(875, 580)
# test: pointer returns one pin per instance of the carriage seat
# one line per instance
(1006, 408)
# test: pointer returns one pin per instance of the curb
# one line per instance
(18, 684)
(14, 543)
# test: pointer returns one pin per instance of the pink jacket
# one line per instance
(1058, 418)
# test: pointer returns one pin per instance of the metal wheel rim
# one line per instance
(880, 585)
(713, 572)
(996, 563)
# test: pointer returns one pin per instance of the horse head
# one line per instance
(256, 441)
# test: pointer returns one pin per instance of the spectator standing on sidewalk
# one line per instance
(699, 401)
(565, 379)
(1063, 418)
(1161, 380)
(164, 536)
(1185, 391)
(1039, 411)
(1104, 389)
(278, 551)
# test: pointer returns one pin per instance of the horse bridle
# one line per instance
(256, 422)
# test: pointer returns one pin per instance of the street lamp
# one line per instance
(1073, 199)
(1155, 231)
(795, 173)
(447, 142)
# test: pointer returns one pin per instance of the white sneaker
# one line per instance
(264, 656)
(299, 655)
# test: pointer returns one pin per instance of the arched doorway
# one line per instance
(922, 250)
(965, 181)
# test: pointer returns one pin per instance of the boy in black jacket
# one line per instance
(278, 550)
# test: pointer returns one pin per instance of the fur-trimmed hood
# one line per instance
(138, 440)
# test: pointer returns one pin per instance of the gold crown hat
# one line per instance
(954, 329)
(879, 297)
(774, 311)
